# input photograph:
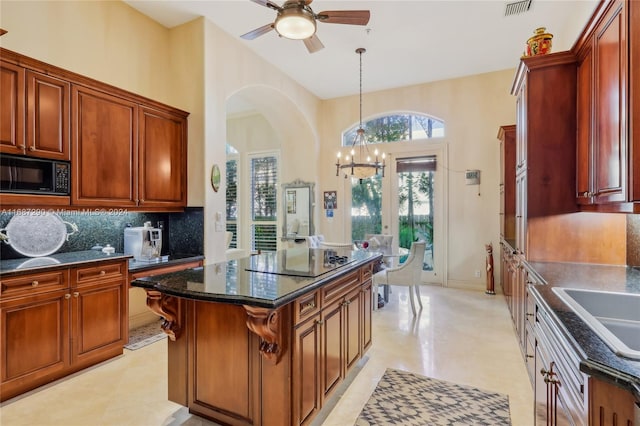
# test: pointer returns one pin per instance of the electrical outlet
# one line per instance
(477, 273)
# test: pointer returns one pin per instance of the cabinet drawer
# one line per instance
(306, 306)
(99, 272)
(340, 287)
(367, 273)
(33, 283)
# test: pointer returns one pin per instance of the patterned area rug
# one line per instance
(403, 398)
(145, 335)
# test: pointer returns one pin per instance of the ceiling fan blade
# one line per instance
(352, 17)
(267, 3)
(257, 32)
(313, 44)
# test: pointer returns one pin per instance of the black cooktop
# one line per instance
(299, 262)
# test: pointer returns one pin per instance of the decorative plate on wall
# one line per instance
(37, 235)
(215, 177)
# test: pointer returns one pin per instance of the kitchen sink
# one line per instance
(614, 317)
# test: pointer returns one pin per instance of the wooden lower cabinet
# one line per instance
(63, 324)
(610, 405)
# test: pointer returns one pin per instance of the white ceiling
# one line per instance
(407, 42)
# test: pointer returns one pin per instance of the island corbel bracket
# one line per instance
(168, 308)
(266, 323)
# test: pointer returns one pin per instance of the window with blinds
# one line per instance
(264, 201)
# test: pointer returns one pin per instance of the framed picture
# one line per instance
(291, 202)
(215, 177)
(330, 200)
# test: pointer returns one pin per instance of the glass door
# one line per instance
(407, 203)
(413, 209)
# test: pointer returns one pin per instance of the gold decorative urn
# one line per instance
(539, 43)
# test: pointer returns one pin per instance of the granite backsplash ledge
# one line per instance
(183, 232)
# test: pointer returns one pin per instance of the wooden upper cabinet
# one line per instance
(34, 113)
(105, 130)
(608, 96)
(12, 112)
(507, 137)
(162, 155)
(47, 116)
(584, 135)
(610, 87)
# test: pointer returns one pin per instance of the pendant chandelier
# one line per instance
(359, 163)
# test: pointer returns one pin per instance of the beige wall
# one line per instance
(472, 108)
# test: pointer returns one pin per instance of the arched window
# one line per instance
(397, 128)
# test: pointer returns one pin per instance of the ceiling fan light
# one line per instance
(295, 24)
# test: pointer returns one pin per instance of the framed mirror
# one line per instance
(298, 205)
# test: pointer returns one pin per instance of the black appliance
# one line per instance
(27, 175)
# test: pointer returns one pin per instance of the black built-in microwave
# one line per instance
(28, 175)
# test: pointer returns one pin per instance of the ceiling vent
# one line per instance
(517, 7)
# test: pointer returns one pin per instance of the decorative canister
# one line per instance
(539, 43)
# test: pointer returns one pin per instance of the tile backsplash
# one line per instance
(183, 232)
(633, 239)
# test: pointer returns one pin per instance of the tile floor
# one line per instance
(461, 336)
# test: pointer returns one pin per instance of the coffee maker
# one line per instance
(143, 242)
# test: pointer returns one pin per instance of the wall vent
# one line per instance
(517, 7)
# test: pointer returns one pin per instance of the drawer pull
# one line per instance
(67, 296)
(319, 322)
(309, 305)
(102, 273)
(76, 294)
(34, 283)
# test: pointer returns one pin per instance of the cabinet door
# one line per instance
(47, 116)
(162, 153)
(610, 111)
(353, 328)
(12, 94)
(306, 371)
(98, 320)
(367, 307)
(521, 214)
(634, 98)
(34, 341)
(584, 147)
(104, 149)
(521, 128)
(332, 347)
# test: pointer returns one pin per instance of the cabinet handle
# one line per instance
(22, 147)
(32, 148)
(319, 322)
(67, 296)
(34, 283)
(102, 273)
(529, 315)
(76, 294)
(529, 356)
(309, 305)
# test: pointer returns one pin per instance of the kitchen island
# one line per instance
(267, 339)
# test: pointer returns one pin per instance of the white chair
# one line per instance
(314, 241)
(406, 274)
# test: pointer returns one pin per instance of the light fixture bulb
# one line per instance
(295, 24)
(339, 154)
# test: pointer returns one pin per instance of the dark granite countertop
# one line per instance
(231, 282)
(55, 261)
(597, 358)
(173, 259)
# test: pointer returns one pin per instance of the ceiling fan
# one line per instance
(297, 21)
